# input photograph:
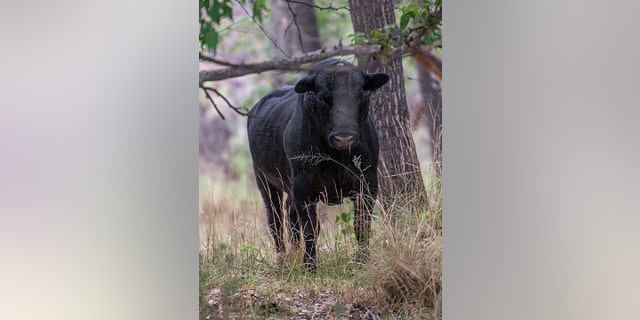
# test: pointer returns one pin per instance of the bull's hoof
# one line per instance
(310, 265)
(280, 258)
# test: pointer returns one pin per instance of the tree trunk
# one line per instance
(432, 112)
(399, 168)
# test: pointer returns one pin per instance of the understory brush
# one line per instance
(240, 276)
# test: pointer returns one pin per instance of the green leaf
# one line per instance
(215, 12)
(210, 39)
(227, 10)
(259, 7)
(404, 20)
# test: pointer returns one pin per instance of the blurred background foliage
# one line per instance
(249, 31)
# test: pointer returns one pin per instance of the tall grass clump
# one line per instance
(405, 266)
(240, 276)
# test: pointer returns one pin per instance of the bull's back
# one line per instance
(267, 122)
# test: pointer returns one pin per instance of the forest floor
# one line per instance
(280, 293)
(240, 277)
(286, 305)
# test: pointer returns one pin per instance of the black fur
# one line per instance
(316, 142)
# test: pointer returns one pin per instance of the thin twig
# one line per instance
(234, 108)
(295, 21)
(269, 36)
(330, 7)
(288, 27)
(213, 103)
(208, 58)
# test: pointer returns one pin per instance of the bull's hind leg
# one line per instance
(272, 198)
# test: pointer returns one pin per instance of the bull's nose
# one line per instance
(344, 141)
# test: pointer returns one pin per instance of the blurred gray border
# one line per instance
(540, 182)
(99, 165)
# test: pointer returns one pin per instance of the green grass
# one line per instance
(240, 278)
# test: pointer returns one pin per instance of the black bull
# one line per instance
(316, 142)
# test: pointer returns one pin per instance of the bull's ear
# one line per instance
(373, 81)
(306, 84)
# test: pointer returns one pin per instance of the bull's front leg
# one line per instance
(363, 203)
(363, 206)
(305, 206)
(310, 231)
(294, 225)
(304, 198)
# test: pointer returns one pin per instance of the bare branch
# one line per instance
(209, 58)
(330, 7)
(295, 21)
(212, 102)
(429, 61)
(293, 63)
(234, 108)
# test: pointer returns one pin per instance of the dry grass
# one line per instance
(240, 278)
(405, 266)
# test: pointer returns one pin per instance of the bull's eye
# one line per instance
(324, 101)
(323, 105)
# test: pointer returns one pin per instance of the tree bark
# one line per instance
(431, 110)
(399, 168)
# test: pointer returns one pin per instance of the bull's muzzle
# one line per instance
(344, 141)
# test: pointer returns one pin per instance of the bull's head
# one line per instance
(340, 99)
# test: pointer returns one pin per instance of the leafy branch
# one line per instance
(213, 11)
(416, 35)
